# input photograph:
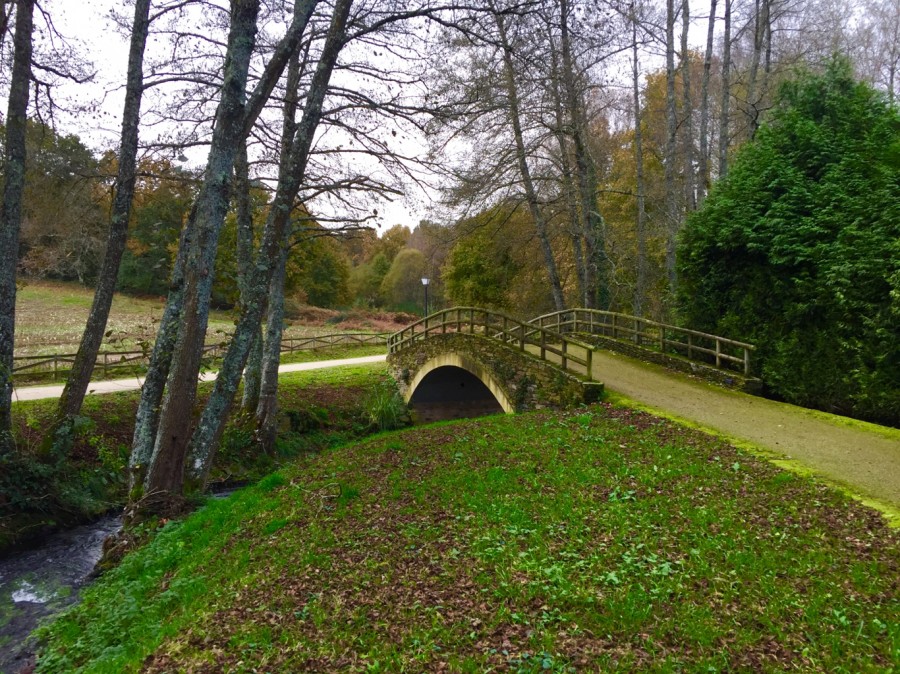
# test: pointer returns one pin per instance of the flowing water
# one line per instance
(39, 582)
(43, 580)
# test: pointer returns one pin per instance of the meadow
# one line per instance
(599, 539)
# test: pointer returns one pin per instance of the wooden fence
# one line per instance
(110, 361)
(550, 345)
(698, 347)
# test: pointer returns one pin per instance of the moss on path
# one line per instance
(860, 457)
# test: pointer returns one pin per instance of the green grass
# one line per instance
(50, 318)
(91, 480)
(333, 353)
(599, 540)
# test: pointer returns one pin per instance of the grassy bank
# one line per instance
(322, 408)
(604, 539)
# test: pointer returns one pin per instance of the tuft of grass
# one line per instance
(385, 409)
(599, 540)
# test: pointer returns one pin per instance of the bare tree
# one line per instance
(162, 430)
(83, 366)
(703, 165)
(11, 213)
(205, 438)
(640, 286)
(514, 115)
(673, 218)
(724, 113)
(687, 110)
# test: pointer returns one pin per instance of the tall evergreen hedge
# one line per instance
(798, 249)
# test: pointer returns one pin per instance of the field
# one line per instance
(50, 317)
(602, 539)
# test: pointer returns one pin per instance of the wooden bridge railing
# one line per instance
(549, 345)
(109, 361)
(696, 346)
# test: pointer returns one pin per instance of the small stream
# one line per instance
(40, 581)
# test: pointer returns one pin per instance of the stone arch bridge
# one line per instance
(467, 361)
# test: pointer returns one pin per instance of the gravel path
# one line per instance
(39, 392)
(863, 457)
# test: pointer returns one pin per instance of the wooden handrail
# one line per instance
(495, 325)
(635, 329)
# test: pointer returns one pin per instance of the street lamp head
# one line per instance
(424, 281)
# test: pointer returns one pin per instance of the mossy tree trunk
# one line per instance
(163, 423)
(244, 255)
(209, 430)
(11, 211)
(165, 470)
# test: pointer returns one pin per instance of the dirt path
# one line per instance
(862, 457)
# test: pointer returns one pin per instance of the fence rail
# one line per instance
(549, 345)
(698, 347)
(109, 361)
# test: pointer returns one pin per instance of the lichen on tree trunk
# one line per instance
(11, 211)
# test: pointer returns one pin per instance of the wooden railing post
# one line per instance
(565, 351)
(718, 353)
(615, 331)
(746, 362)
(690, 346)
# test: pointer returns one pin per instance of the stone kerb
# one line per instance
(519, 380)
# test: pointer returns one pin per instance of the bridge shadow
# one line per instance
(450, 392)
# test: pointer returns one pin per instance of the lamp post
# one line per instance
(425, 284)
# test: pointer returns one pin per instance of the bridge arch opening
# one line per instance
(452, 386)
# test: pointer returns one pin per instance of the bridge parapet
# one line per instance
(549, 345)
(718, 358)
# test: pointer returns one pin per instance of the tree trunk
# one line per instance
(83, 367)
(11, 212)
(672, 219)
(690, 199)
(761, 45)
(166, 470)
(522, 160)
(640, 286)
(724, 139)
(212, 422)
(146, 421)
(267, 408)
(595, 245)
(244, 256)
(703, 170)
(576, 231)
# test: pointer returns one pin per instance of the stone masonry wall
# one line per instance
(527, 381)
